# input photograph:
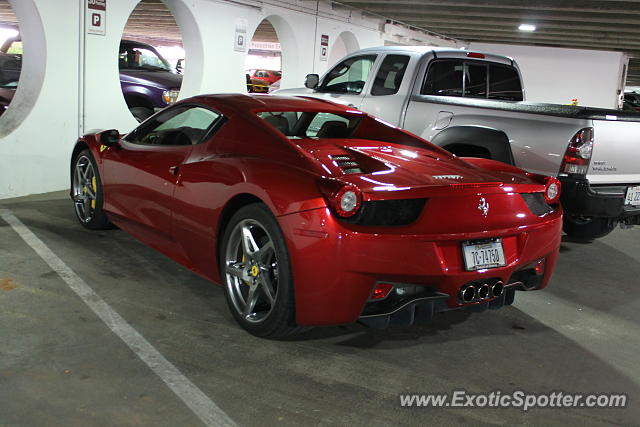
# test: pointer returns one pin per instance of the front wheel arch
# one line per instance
(79, 147)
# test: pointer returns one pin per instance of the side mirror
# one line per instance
(109, 137)
(311, 81)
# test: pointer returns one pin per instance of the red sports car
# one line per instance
(311, 213)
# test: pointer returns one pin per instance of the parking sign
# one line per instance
(97, 17)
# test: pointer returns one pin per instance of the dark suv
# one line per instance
(148, 83)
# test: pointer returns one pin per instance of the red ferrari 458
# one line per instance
(311, 213)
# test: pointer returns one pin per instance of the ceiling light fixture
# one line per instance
(527, 27)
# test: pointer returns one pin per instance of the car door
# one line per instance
(390, 88)
(347, 82)
(141, 173)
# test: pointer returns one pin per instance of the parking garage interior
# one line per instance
(98, 328)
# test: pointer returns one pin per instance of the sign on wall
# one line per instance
(324, 47)
(97, 17)
(240, 43)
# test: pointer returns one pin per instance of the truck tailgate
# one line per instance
(616, 153)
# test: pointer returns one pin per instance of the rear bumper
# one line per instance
(580, 198)
(335, 268)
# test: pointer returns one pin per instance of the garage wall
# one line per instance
(41, 124)
(556, 75)
(70, 84)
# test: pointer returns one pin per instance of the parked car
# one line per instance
(312, 213)
(148, 82)
(471, 104)
(260, 81)
(10, 67)
(631, 99)
(6, 96)
(268, 76)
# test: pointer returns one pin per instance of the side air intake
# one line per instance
(346, 163)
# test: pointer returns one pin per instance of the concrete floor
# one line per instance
(61, 365)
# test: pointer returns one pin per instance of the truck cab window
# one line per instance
(390, 75)
(504, 83)
(349, 76)
(444, 78)
(475, 80)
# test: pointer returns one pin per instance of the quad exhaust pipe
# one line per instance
(480, 292)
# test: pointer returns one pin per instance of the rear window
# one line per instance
(473, 79)
(296, 124)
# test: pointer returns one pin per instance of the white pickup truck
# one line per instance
(472, 104)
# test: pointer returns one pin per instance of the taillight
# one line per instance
(578, 155)
(346, 201)
(552, 190)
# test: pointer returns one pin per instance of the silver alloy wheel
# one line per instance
(84, 189)
(251, 271)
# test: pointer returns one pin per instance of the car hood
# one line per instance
(375, 166)
(159, 79)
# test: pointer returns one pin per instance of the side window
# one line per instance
(184, 125)
(349, 76)
(504, 83)
(444, 78)
(390, 75)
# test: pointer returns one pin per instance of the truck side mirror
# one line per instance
(311, 81)
(109, 137)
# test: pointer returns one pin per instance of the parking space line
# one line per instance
(203, 407)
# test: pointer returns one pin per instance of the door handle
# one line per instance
(173, 170)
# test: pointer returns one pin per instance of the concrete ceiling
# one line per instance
(581, 24)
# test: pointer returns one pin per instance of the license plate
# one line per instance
(633, 196)
(481, 255)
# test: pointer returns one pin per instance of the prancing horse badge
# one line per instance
(483, 207)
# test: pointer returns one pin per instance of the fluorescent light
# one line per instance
(527, 27)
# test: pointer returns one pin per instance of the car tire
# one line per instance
(141, 113)
(584, 230)
(86, 190)
(256, 273)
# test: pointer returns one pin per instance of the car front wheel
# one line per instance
(256, 272)
(86, 187)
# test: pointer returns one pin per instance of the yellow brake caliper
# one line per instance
(94, 187)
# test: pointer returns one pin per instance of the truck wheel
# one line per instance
(141, 113)
(582, 229)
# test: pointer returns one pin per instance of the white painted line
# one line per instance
(204, 408)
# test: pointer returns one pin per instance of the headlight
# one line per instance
(170, 96)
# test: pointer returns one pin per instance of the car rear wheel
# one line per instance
(86, 189)
(256, 272)
(583, 229)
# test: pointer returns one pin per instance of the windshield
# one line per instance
(296, 124)
(141, 58)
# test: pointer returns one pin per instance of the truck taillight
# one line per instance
(578, 155)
